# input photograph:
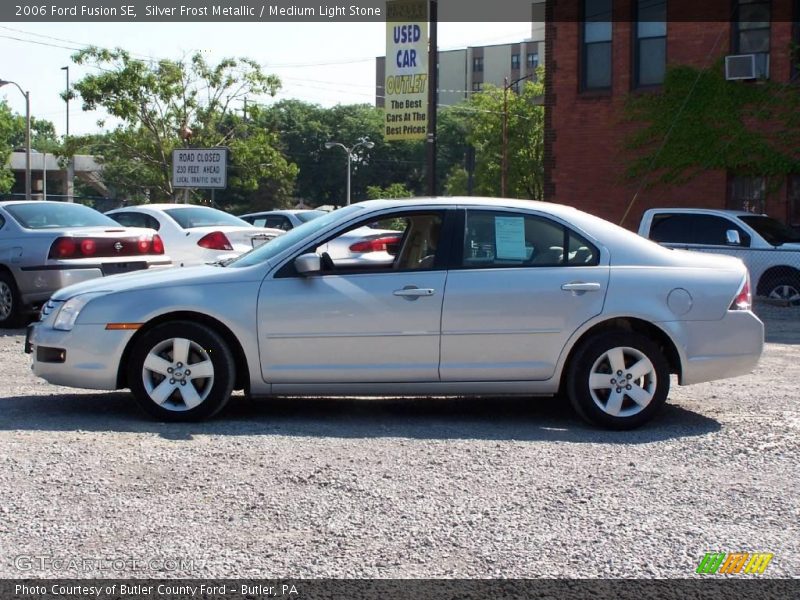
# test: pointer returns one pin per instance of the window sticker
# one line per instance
(509, 233)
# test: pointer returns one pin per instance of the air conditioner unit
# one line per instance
(740, 66)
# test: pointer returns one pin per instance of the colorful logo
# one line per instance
(735, 562)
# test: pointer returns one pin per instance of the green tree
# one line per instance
(12, 135)
(393, 190)
(170, 104)
(525, 138)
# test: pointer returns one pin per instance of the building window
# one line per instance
(751, 29)
(794, 200)
(515, 62)
(747, 193)
(477, 86)
(477, 64)
(650, 43)
(532, 60)
(596, 45)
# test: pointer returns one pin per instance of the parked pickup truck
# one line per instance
(770, 249)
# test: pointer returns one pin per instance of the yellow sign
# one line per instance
(406, 85)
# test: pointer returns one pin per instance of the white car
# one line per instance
(195, 235)
(282, 219)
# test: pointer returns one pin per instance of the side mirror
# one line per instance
(306, 264)
(732, 238)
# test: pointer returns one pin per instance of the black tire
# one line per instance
(784, 288)
(10, 303)
(597, 406)
(206, 352)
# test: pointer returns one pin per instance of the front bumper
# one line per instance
(92, 355)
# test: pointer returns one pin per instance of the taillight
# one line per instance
(215, 240)
(63, 248)
(158, 245)
(88, 247)
(744, 298)
(380, 244)
(143, 244)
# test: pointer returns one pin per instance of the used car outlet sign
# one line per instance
(406, 84)
(200, 168)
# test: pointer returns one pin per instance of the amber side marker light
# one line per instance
(124, 326)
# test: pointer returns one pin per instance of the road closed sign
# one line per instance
(200, 168)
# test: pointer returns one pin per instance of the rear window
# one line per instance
(309, 214)
(46, 215)
(203, 216)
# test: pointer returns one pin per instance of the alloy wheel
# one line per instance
(178, 374)
(6, 301)
(622, 382)
(786, 292)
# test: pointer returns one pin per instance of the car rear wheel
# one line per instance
(10, 309)
(181, 371)
(618, 380)
(784, 289)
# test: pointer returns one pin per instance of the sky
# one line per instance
(325, 63)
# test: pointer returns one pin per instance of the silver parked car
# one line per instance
(483, 297)
(45, 246)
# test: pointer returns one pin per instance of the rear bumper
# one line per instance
(37, 284)
(719, 349)
(91, 360)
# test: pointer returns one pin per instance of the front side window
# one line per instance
(747, 193)
(773, 231)
(502, 239)
(650, 43)
(404, 242)
(596, 45)
(751, 32)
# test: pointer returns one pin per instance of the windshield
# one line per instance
(291, 237)
(50, 215)
(775, 232)
(203, 216)
(310, 214)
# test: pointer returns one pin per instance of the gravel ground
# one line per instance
(400, 488)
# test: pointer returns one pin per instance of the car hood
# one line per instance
(160, 278)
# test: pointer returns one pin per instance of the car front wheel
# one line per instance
(618, 380)
(181, 371)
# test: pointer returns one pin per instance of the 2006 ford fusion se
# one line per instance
(483, 297)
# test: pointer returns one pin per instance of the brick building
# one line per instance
(598, 52)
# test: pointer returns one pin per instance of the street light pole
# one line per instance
(504, 160)
(70, 163)
(364, 142)
(27, 135)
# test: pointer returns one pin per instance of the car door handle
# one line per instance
(414, 292)
(580, 286)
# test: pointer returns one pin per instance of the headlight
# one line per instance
(68, 314)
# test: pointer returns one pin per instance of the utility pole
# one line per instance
(504, 160)
(433, 88)
(69, 191)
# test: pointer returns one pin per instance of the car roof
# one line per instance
(281, 211)
(163, 206)
(549, 207)
(13, 202)
(706, 211)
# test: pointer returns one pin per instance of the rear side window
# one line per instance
(135, 219)
(502, 239)
(707, 230)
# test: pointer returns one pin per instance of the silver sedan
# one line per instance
(482, 297)
(47, 245)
